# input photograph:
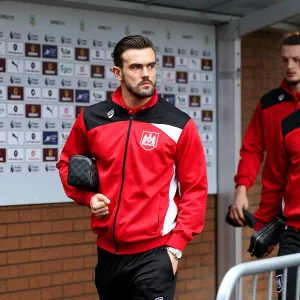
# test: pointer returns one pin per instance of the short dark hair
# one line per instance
(129, 42)
(292, 40)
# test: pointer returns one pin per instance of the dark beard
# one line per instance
(141, 94)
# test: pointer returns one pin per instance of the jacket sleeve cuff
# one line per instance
(177, 241)
(259, 225)
(243, 181)
(85, 198)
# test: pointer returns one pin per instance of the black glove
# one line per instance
(249, 219)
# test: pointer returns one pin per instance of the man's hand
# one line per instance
(240, 202)
(174, 262)
(270, 249)
(99, 206)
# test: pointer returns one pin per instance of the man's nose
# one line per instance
(145, 72)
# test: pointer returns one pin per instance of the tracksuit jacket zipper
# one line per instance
(122, 183)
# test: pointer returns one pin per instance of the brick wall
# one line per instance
(261, 72)
(49, 252)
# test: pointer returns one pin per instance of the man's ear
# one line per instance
(117, 72)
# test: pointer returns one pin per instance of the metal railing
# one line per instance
(234, 276)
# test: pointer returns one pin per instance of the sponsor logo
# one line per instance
(66, 95)
(82, 54)
(67, 112)
(50, 51)
(195, 114)
(32, 50)
(97, 55)
(158, 60)
(15, 80)
(66, 40)
(2, 137)
(168, 50)
(58, 22)
(2, 155)
(168, 61)
(194, 52)
(50, 94)
(50, 111)
(82, 70)
(50, 125)
(206, 90)
(66, 83)
(207, 101)
(63, 136)
(195, 90)
(15, 35)
(97, 71)
(206, 64)
(181, 77)
(32, 67)
(15, 49)
(182, 100)
(50, 82)
(50, 154)
(149, 140)
(33, 110)
(82, 42)
(169, 88)
(15, 138)
(49, 38)
(7, 17)
(169, 76)
(15, 93)
(49, 68)
(194, 77)
(195, 101)
(207, 137)
(97, 43)
(194, 63)
(169, 98)
(2, 93)
(33, 168)
(97, 84)
(2, 110)
(32, 94)
(2, 65)
(112, 85)
(97, 96)
(82, 84)
(15, 124)
(108, 55)
(32, 36)
(66, 69)
(66, 124)
(207, 127)
(33, 155)
(181, 51)
(82, 96)
(111, 44)
(206, 53)
(50, 138)
(207, 116)
(33, 125)
(15, 110)
(2, 48)
(182, 62)
(206, 77)
(66, 53)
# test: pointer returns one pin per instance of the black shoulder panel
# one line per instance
(290, 123)
(275, 97)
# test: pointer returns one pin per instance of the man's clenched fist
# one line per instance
(99, 206)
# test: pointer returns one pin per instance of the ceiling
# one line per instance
(238, 8)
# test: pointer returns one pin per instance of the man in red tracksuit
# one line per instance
(143, 147)
(265, 133)
(262, 134)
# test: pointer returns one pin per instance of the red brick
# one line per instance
(3, 231)
(9, 244)
(62, 278)
(17, 284)
(9, 217)
(9, 271)
(50, 253)
(30, 269)
(83, 250)
(62, 226)
(89, 236)
(17, 229)
(76, 212)
(52, 266)
(55, 213)
(52, 240)
(30, 215)
(73, 238)
(73, 264)
(82, 224)
(30, 242)
(90, 261)
(52, 293)
(73, 290)
(89, 287)
(83, 275)
(39, 281)
(2, 286)
(15, 257)
(30, 295)
(40, 227)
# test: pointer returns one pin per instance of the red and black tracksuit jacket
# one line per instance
(141, 156)
(286, 182)
(262, 135)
